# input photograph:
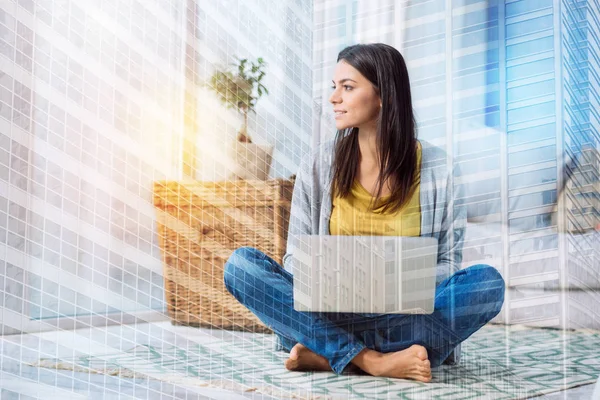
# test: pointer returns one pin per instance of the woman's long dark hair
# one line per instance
(396, 139)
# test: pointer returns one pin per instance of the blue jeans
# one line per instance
(464, 303)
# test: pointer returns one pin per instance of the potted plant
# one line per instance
(237, 90)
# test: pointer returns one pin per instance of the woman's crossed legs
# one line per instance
(394, 345)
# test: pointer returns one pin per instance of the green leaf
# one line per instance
(238, 90)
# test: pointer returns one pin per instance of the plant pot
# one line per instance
(250, 161)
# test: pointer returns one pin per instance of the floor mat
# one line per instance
(498, 362)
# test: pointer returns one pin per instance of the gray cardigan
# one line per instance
(441, 217)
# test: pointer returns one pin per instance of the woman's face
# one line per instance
(355, 98)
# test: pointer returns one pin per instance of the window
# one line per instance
(532, 178)
(544, 198)
(533, 222)
(532, 156)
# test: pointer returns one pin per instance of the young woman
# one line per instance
(375, 178)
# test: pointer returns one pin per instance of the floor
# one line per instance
(21, 381)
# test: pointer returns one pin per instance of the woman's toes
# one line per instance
(426, 368)
(289, 364)
(295, 352)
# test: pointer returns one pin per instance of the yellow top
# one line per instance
(351, 216)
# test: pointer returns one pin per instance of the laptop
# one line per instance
(364, 274)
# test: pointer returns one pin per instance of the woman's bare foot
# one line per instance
(411, 363)
(302, 359)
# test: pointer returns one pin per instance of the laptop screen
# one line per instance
(364, 274)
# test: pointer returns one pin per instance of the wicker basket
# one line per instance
(199, 225)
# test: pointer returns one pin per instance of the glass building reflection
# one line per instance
(509, 90)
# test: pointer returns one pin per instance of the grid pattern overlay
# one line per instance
(105, 115)
(98, 101)
(532, 366)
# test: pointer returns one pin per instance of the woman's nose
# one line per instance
(334, 98)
